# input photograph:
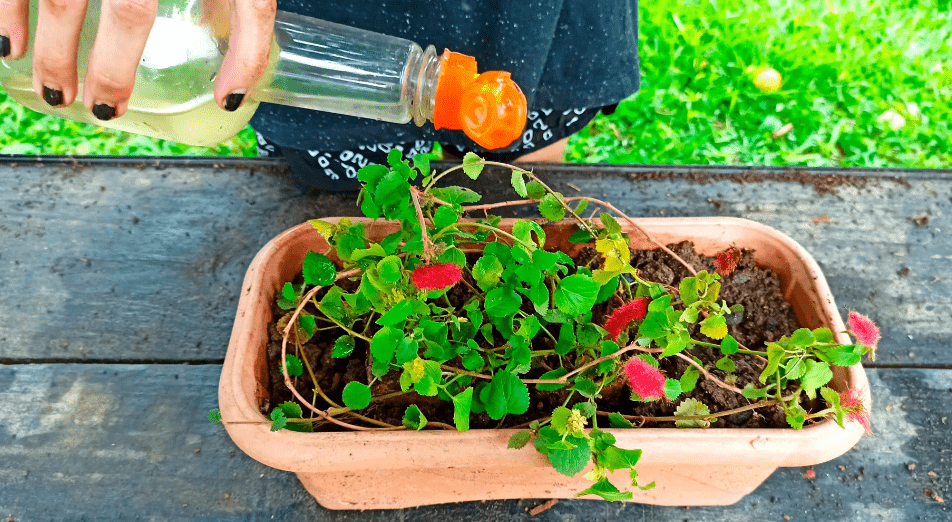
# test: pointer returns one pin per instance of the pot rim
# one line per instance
(239, 393)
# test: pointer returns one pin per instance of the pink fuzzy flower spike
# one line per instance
(623, 316)
(646, 381)
(852, 404)
(436, 277)
(727, 261)
(865, 331)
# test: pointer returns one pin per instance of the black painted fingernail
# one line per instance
(4, 46)
(104, 112)
(233, 101)
(54, 97)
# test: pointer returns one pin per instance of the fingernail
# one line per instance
(54, 97)
(233, 101)
(104, 112)
(4, 46)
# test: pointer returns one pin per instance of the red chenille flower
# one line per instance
(727, 261)
(646, 381)
(621, 317)
(864, 329)
(852, 404)
(436, 277)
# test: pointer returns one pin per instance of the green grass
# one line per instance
(843, 65)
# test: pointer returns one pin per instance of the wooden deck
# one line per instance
(119, 279)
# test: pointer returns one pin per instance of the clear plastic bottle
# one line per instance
(313, 64)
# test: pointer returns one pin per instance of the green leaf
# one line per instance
(372, 174)
(559, 419)
(692, 408)
(343, 347)
(729, 346)
(325, 229)
(552, 375)
(582, 205)
(278, 420)
(580, 236)
(551, 208)
(570, 462)
(307, 324)
(817, 375)
(714, 326)
(586, 387)
(318, 269)
(725, 364)
(507, 394)
(374, 250)
(796, 416)
(823, 335)
(611, 226)
(214, 416)
(462, 403)
(414, 418)
(802, 337)
(615, 458)
(472, 165)
(422, 163)
(672, 389)
(617, 420)
(473, 361)
(750, 392)
(444, 217)
(689, 379)
(292, 410)
(390, 269)
(607, 491)
(519, 439)
(486, 271)
(589, 335)
(401, 311)
(688, 291)
(519, 184)
(456, 195)
(501, 302)
(288, 292)
(566, 340)
(295, 367)
(843, 356)
(383, 345)
(535, 190)
(356, 395)
(576, 294)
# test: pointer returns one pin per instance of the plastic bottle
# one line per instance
(313, 64)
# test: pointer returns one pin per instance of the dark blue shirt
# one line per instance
(564, 54)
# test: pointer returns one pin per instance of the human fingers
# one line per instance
(58, 27)
(252, 29)
(14, 28)
(124, 27)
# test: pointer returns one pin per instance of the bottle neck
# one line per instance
(423, 85)
(333, 68)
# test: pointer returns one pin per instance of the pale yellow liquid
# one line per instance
(173, 95)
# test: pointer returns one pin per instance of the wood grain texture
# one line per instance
(118, 442)
(142, 261)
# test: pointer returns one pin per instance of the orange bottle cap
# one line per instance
(490, 108)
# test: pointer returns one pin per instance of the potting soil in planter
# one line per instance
(766, 317)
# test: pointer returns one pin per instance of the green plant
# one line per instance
(525, 320)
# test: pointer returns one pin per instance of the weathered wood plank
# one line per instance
(129, 260)
(117, 442)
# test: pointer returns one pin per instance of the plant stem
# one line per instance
(597, 201)
(725, 413)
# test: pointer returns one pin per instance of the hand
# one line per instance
(124, 27)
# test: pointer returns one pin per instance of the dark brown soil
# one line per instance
(767, 317)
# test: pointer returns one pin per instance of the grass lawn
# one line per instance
(863, 84)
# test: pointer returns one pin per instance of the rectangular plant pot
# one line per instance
(373, 470)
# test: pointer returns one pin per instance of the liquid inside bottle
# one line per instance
(313, 64)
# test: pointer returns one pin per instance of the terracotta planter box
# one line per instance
(692, 467)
